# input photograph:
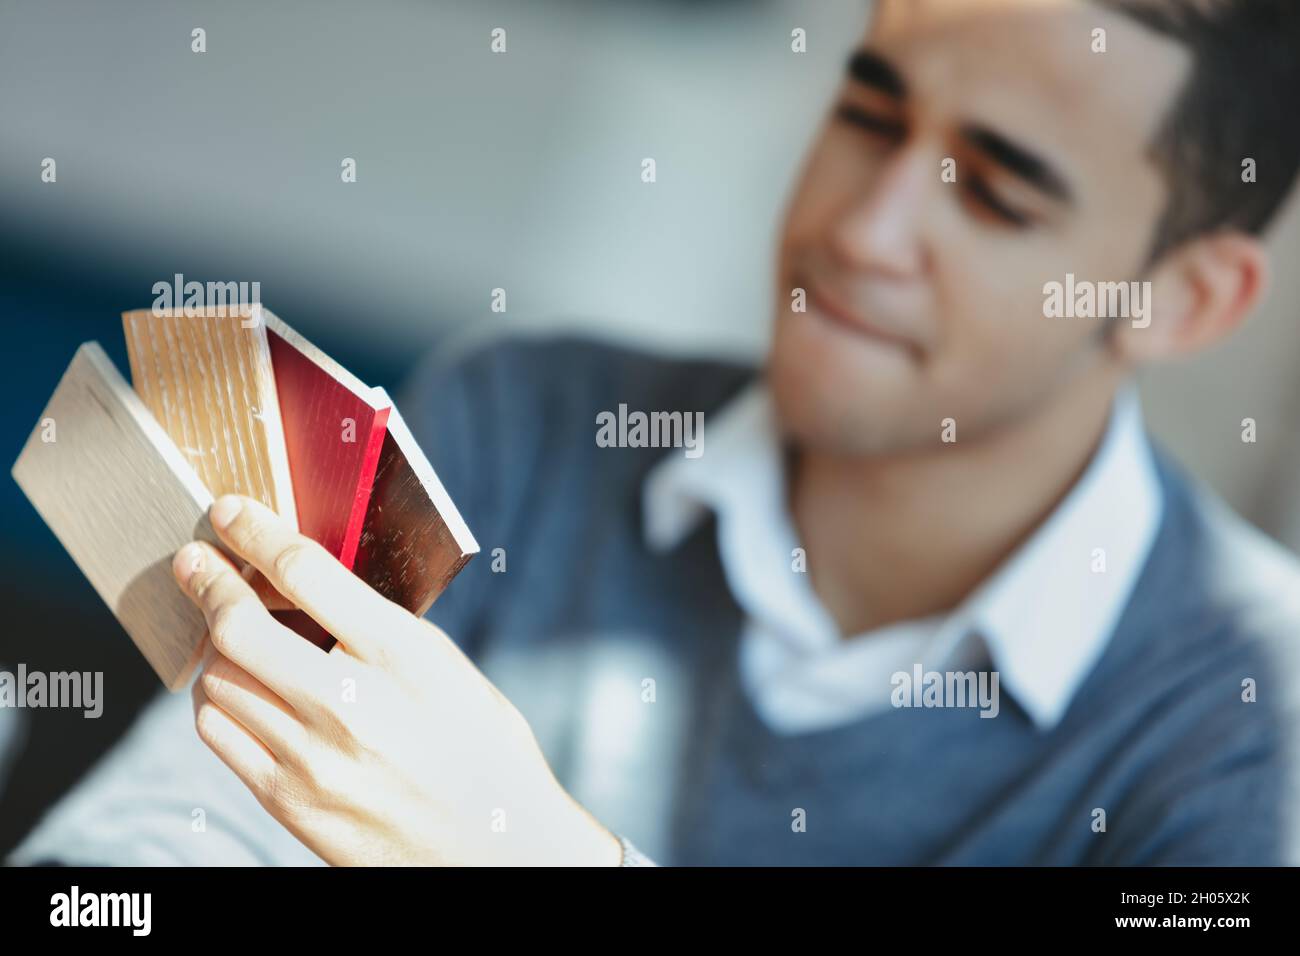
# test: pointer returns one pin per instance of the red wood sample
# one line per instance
(334, 427)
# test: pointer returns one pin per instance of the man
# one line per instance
(927, 596)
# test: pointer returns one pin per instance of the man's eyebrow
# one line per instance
(1033, 169)
(871, 69)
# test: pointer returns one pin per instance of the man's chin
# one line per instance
(814, 413)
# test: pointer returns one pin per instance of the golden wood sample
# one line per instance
(208, 380)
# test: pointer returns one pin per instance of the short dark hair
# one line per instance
(1239, 101)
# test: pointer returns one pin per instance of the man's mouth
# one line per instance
(833, 308)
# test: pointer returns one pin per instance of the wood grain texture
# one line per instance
(122, 499)
(334, 430)
(414, 541)
(209, 382)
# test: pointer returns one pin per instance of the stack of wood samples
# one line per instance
(228, 403)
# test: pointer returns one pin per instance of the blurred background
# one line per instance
(474, 171)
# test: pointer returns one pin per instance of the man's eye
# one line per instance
(872, 122)
(989, 200)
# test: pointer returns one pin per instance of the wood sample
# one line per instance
(208, 380)
(122, 500)
(414, 541)
(334, 430)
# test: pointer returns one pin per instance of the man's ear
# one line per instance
(1200, 293)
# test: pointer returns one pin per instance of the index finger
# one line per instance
(308, 576)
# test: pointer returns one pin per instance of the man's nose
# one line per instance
(881, 232)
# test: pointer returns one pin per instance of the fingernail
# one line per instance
(224, 510)
(188, 560)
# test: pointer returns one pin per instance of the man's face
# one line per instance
(925, 297)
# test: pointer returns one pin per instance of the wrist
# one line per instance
(562, 833)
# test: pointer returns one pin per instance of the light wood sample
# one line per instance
(333, 430)
(414, 541)
(208, 380)
(122, 499)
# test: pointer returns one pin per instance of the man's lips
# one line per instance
(834, 309)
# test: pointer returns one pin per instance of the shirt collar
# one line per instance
(1046, 614)
(742, 480)
(741, 474)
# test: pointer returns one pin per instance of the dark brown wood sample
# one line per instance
(414, 541)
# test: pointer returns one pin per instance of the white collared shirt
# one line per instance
(1043, 617)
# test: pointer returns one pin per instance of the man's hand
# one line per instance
(391, 748)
